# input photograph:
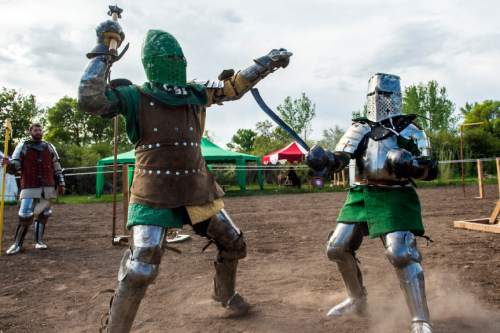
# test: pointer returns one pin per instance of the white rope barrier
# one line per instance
(252, 167)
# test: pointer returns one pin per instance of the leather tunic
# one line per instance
(37, 169)
(170, 170)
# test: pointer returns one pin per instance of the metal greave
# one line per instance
(225, 279)
(402, 252)
(124, 306)
(412, 282)
(38, 232)
(138, 269)
(341, 248)
(21, 231)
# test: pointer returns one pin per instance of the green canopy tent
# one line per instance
(211, 152)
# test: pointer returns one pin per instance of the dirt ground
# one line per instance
(286, 275)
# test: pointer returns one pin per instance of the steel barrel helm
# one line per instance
(384, 97)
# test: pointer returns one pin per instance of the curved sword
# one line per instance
(277, 119)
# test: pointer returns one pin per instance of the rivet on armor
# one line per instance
(152, 103)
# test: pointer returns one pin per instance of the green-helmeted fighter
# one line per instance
(165, 120)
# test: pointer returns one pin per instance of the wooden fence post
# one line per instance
(125, 196)
(480, 177)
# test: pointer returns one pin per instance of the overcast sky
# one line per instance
(337, 46)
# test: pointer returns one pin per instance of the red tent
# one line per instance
(291, 153)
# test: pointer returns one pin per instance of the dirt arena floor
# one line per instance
(286, 275)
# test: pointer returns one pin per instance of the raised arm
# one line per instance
(232, 86)
(93, 84)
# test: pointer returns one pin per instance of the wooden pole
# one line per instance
(8, 130)
(480, 177)
(125, 196)
(115, 171)
(462, 158)
(498, 175)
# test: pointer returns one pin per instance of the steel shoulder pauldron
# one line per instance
(353, 137)
(418, 136)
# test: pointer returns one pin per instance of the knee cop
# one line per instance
(139, 265)
(344, 241)
(401, 248)
(226, 235)
(26, 210)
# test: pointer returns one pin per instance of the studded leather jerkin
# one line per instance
(170, 170)
(37, 166)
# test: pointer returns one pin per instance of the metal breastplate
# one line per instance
(371, 168)
(170, 170)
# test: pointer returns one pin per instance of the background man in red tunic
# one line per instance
(41, 180)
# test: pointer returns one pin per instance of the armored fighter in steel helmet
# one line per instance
(389, 151)
(172, 186)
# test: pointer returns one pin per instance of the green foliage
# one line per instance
(21, 110)
(360, 113)
(331, 136)
(68, 125)
(73, 155)
(431, 103)
(298, 114)
(482, 140)
(243, 141)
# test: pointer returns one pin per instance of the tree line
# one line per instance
(82, 139)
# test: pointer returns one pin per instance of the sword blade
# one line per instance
(277, 119)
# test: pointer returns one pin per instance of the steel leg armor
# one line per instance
(402, 252)
(39, 229)
(26, 212)
(341, 248)
(231, 247)
(138, 269)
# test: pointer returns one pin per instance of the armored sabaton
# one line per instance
(172, 186)
(389, 151)
(40, 168)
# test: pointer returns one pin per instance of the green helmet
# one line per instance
(163, 59)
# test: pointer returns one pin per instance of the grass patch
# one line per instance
(87, 199)
(254, 189)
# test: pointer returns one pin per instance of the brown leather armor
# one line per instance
(170, 170)
(37, 169)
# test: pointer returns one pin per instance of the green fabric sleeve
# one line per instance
(128, 105)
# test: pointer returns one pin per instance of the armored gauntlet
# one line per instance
(401, 163)
(106, 31)
(322, 161)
